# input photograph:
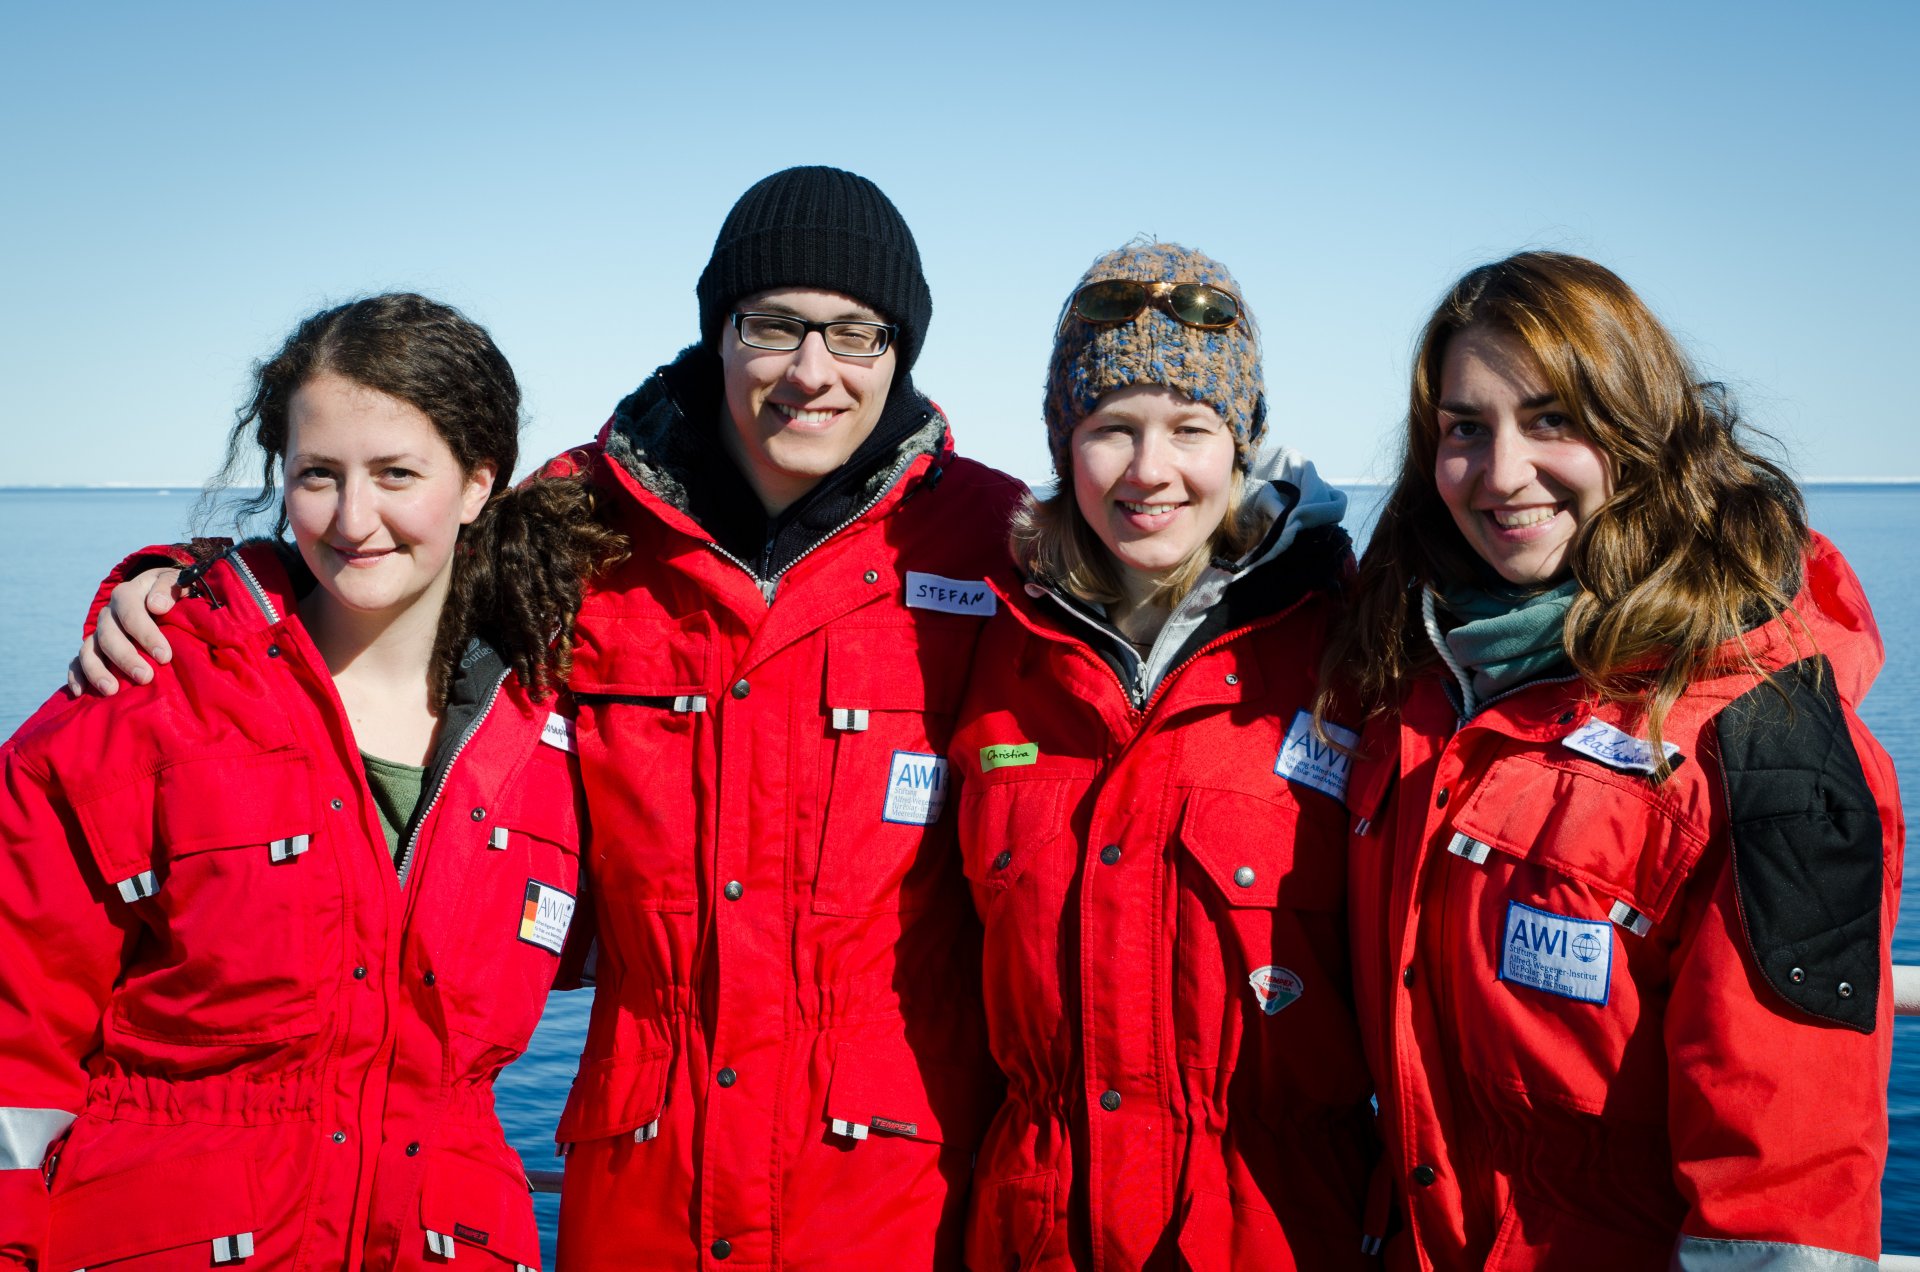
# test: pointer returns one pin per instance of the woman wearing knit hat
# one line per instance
(1153, 833)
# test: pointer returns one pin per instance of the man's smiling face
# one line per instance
(798, 415)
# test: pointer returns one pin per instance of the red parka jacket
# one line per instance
(1162, 884)
(232, 1030)
(786, 1064)
(1619, 1021)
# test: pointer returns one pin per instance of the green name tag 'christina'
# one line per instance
(1006, 756)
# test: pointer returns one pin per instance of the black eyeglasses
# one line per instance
(1202, 305)
(785, 332)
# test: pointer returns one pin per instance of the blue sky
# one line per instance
(183, 182)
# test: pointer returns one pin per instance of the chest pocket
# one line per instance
(890, 695)
(521, 896)
(1604, 845)
(1261, 977)
(226, 864)
(641, 688)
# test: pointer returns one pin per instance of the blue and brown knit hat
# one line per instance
(1220, 369)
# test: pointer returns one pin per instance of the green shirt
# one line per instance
(396, 793)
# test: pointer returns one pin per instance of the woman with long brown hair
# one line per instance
(274, 924)
(1625, 861)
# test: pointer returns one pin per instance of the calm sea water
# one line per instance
(75, 536)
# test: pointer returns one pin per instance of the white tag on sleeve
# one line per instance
(558, 731)
(1560, 955)
(916, 789)
(1305, 759)
(545, 916)
(1615, 748)
(952, 596)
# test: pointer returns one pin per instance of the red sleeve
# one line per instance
(60, 951)
(1778, 1120)
(165, 556)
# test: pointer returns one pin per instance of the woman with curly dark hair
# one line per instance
(275, 923)
(1625, 860)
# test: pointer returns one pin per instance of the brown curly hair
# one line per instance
(520, 567)
(1701, 539)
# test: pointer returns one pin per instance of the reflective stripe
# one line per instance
(849, 720)
(1465, 845)
(1711, 1254)
(1630, 919)
(440, 1244)
(138, 887)
(852, 1130)
(26, 1133)
(644, 1133)
(498, 839)
(286, 849)
(233, 1249)
(689, 702)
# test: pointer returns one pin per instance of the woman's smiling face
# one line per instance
(1152, 472)
(1515, 469)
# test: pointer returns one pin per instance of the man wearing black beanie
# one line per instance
(787, 1062)
(787, 1059)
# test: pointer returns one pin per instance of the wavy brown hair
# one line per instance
(1701, 539)
(520, 566)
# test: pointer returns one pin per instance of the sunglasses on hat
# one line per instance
(1110, 300)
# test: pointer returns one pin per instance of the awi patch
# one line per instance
(916, 789)
(1275, 989)
(1557, 954)
(951, 596)
(545, 917)
(1307, 760)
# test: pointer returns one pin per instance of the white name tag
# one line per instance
(954, 596)
(1569, 957)
(546, 916)
(558, 731)
(1307, 760)
(1615, 748)
(916, 789)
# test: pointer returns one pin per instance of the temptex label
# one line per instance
(1008, 755)
(954, 596)
(1305, 759)
(916, 789)
(545, 916)
(1559, 955)
(1275, 988)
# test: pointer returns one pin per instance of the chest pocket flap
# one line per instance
(918, 667)
(1252, 850)
(1612, 833)
(643, 657)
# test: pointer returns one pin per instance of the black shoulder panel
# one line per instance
(1806, 844)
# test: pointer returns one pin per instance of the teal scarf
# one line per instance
(1503, 639)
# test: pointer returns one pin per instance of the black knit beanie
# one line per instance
(818, 227)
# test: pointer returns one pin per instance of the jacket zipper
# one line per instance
(769, 586)
(420, 818)
(253, 585)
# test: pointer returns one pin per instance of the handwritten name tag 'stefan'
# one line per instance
(1306, 759)
(545, 916)
(1560, 955)
(916, 789)
(953, 596)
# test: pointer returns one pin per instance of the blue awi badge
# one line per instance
(1560, 955)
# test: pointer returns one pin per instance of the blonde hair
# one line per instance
(1051, 541)
(1701, 539)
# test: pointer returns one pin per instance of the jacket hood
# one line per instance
(662, 433)
(1833, 605)
(1304, 549)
